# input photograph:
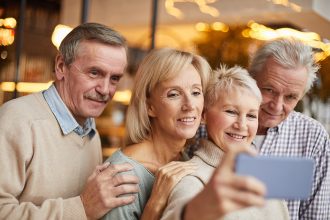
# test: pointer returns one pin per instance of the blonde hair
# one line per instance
(226, 80)
(158, 66)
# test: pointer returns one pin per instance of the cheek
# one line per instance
(216, 124)
(265, 100)
(289, 107)
(199, 103)
(112, 91)
(253, 127)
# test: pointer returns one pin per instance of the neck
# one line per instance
(262, 130)
(166, 151)
(66, 100)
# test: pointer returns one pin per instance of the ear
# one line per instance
(151, 110)
(60, 67)
(203, 119)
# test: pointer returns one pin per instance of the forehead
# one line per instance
(185, 78)
(96, 52)
(239, 97)
(286, 79)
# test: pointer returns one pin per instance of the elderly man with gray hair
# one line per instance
(51, 159)
(285, 71)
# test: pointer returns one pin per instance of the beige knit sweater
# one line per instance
(42, 172)
(208, 158)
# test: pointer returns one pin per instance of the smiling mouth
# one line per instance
(236, 136)
(187, 119)
(98, 101)
(270, 114)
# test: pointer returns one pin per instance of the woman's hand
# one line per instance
(166, 178)
(226, 192)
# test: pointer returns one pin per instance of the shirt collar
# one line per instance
(64, 117)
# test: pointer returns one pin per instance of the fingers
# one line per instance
(105, 189)
(120, 201)
(239, 196)
(172, 173)
(250, 184)
(228, 162)
(113, 169)
(175, 167)
(125, 189)
(124, 179)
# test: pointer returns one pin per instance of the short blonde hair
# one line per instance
(158, 66)
(226, 80)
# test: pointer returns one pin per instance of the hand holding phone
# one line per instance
(284, 177)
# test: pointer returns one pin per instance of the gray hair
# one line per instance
(226, 80)
(89, 31)
(158, 66)
(289, 53)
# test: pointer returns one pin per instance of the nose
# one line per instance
(104, 87)
(187, 105)
(241, 123)
(277, 103)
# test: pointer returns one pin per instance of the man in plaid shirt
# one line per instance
(285, 70)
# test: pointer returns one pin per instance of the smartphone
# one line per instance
(285, 177)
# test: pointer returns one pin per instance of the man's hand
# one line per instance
(103, 188)
(226, 192)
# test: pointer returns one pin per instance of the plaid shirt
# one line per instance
(302, 136)
(193, 144)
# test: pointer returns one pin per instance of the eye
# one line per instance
(94, 73)
(268, 90)
(231, 112)
(172, 94)
(115, 79)
(196, 92)
(291, 97)
(252, 116)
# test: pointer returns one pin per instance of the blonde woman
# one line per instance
(165, 110)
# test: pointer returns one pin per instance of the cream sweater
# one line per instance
(42, 171)
(208, 157)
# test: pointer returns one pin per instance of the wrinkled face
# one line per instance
(90, 81)
(233, 119)
(281, 90)
(176, 105)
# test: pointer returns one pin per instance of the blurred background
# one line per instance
(223, 31)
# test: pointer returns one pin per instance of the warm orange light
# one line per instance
(27, 87)
(261, 32)
(59, 34)
(122, 96)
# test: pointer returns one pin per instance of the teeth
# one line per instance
(187, 119)
(236, 136)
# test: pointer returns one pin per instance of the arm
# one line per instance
(166, 178)
(225, 192)
(18, 199)
(318, 205)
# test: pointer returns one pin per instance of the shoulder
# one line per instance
(204, 171)
(304, 122)
(194, 182)
(26, 107)
(146, 178)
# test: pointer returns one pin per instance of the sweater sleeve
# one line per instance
(17, 152)
(182, 193)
